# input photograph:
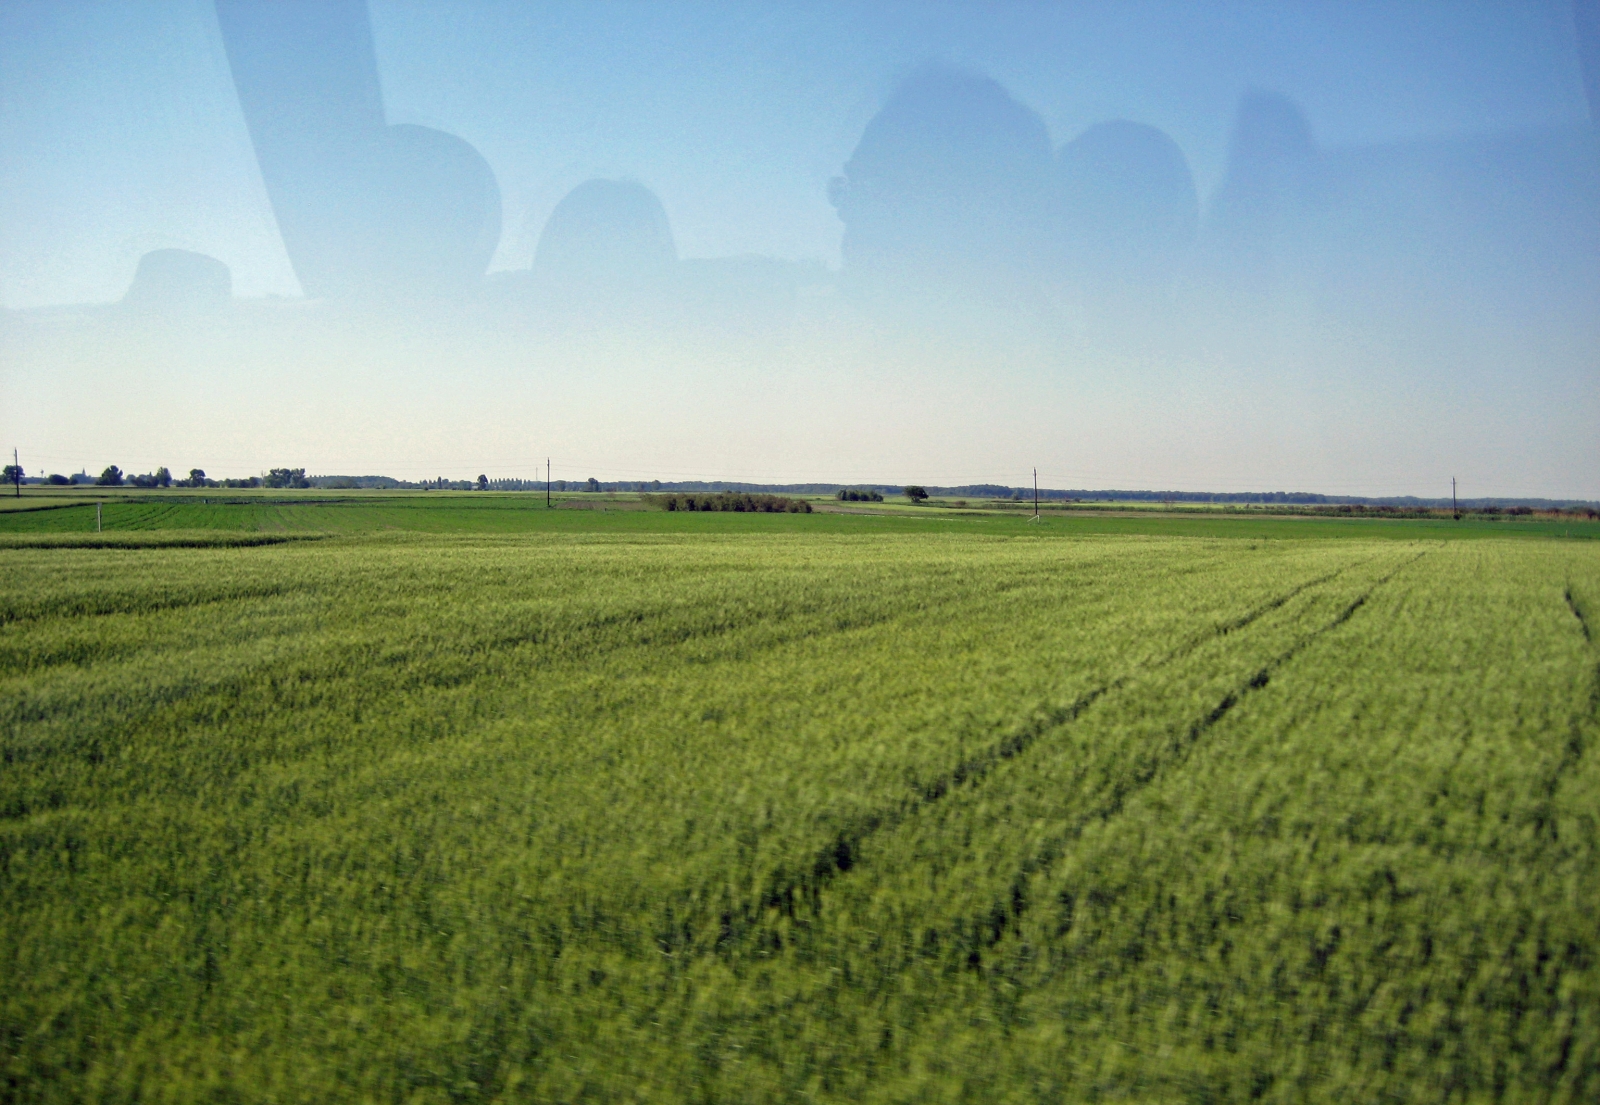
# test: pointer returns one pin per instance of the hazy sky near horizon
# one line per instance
(121, 133)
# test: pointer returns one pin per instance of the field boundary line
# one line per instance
(45, 506)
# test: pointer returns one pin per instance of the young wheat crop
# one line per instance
(766, 816)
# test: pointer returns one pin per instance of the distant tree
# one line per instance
(13, 474)
(739, 502)
(163, 477)
(58, 479)
(197, 478)
(287, 477)
(655, 485)
(916, 494)
(594, 484)
(483, 482)
(111, 477)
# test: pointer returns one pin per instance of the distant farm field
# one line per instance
(496, 803)
(125, 512)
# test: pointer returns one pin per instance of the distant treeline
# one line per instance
(389, 483)
(1000, 491)
(1280, 498)
(351, 483)
(296, 477)
(113, 476)
(740, 502)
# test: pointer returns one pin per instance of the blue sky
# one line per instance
(1418, 296)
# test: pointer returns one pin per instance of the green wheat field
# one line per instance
(454, 798)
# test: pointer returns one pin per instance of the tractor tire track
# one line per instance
(1578, 729)
(795, 889)
(1577, 612)
(1015, 902)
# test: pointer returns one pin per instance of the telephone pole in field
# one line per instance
(16, 469)
(1036, 493)
(1454, 510)
(547, 483)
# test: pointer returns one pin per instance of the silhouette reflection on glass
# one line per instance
(177, 281)
(1586, 17)
(1128, 204)
(1273, 181)
(945, 191)
(364, 209)
(606, 236)
(608, 249)
(1127, 214)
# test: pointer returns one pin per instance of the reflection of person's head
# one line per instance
(429, 216)
(1128, 203)
(606, 232)
(949, 174)
(176, 279)
(1272, 165)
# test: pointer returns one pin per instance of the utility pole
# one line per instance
(97, 517)
(1036, 493)
(1454, 510)
(547, 483)
(16, 467)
